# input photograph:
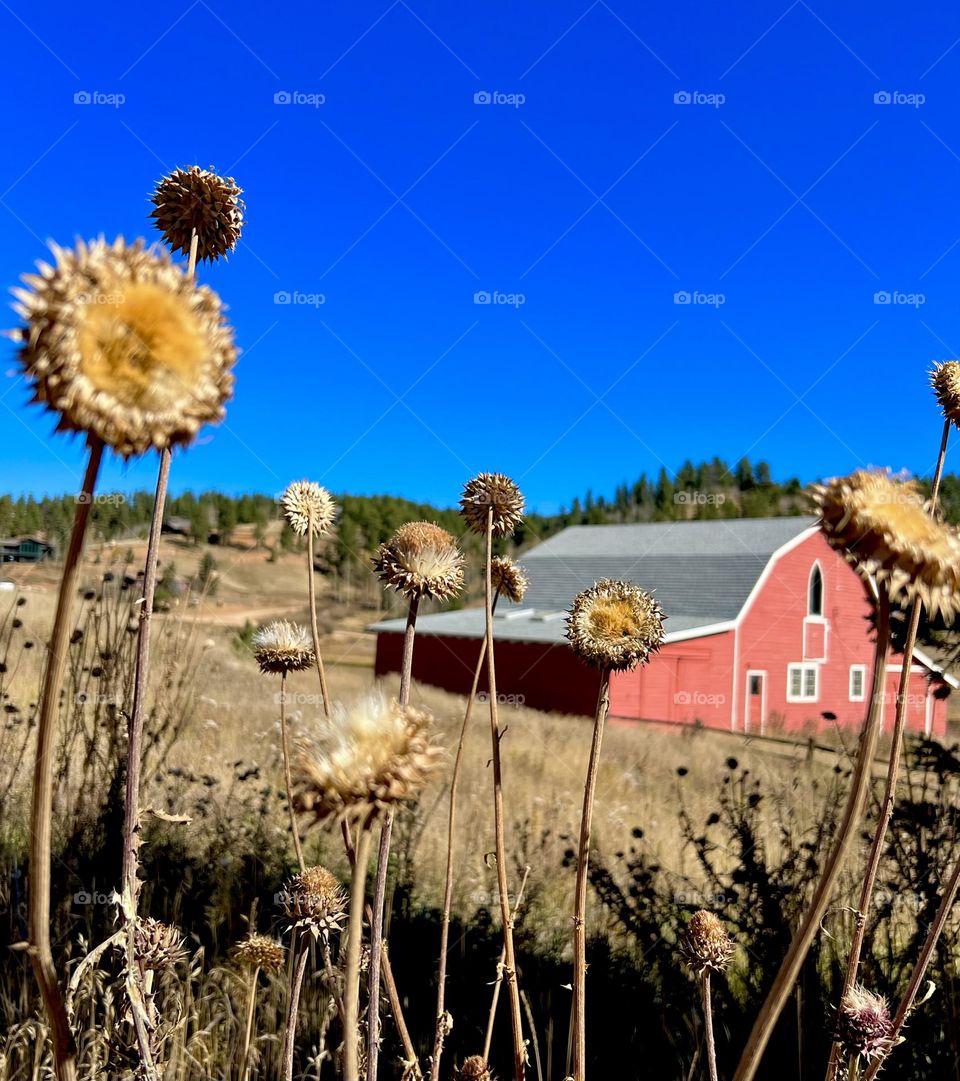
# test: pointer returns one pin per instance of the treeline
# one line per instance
(711, 489)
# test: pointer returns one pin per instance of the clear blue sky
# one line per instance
(784, 186)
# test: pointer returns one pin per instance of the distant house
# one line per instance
(27, 549)
(767, 629)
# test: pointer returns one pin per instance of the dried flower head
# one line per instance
(158, 945)
(315, 899)
(282, 647)
(198, 199)
(508, 579)
(705, 945)
(945, 380)
(474, 1068)
(124, 346)
(308, 508)
(496, 492)
(864, 1026)
(421, 560)
(259, 951)
(373, 754)
(615, 624)
(882, 528)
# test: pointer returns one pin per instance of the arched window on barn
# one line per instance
(815, 592)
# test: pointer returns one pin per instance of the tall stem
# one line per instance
(248, 1032)
(314, 626)
(890, 788)
(287, 775)
(853, 812)
(506, 916)
(498, 982)
(293, 1011)
(351, 996)
(580, 894)
(41, 816)
(383, 861)
(708, 1028)
(448, 878)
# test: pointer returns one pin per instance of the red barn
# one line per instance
(768, 629)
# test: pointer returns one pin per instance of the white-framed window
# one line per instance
(803, 682)
(858, 682)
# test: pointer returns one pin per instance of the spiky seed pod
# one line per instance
(314, 899)
(474, 1068)
(421, 560)
(259, 951)
(496, 491)
(373, 755)
(615, 624)
(199, 199)
(945, 380)
(508, 579)
(158, 945)
(883, 530)
(864, 1026)
(124, 345)
(308, 508)
(282, 647)
(705, 945)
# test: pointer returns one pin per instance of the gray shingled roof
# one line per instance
(701, 572)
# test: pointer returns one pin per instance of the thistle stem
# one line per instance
(580, 894)
(510, 963)
(890, 788)
(248, 1032)
(41, 816)
(448, 878)
(314, 625)
(293, 1011)
(351, 997)
(708, 1028)
(846, 832)
(498, 982)
(383, 860)
(287, 775)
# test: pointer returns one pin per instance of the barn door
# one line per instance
(756, 702)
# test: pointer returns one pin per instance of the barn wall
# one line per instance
(546, 677)
(687, 682)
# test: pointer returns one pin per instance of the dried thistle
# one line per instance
(507, 578)
(706, 946)
(474, 1068)
(198, 199)
(496, 491)
(374, 754)
(882, 528)
(864, 1025)
(259, 951)
(945, 380)
(282, 647)
(615, 624)
(124, 345)
(421, 560)
(308, 508)
(158, 945)
(314, 899)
